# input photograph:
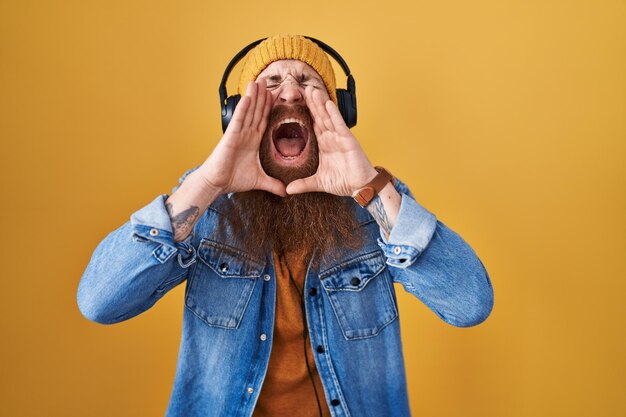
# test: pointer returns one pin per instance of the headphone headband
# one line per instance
(346, 99)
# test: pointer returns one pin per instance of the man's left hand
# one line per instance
(343, 166)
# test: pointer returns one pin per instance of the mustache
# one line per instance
(299, 111)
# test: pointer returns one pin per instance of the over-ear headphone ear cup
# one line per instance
(228, 110)
(347, 106)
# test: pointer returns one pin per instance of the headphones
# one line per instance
(346, 98)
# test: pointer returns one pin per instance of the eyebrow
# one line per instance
(301, 78)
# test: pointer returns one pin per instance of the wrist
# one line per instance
(367, 176)
(207, 188)
(207, 179)
(364, 195)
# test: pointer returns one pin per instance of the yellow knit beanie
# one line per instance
(280, 47)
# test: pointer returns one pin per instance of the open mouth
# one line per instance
(290, 138)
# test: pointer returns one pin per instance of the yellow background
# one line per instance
(506, 118)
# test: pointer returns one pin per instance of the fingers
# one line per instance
(253, 108)
(318, 99)
(308, 97)
(309, 102)
(239, 115)
(251, 91)
(304, 185)
(272, 185)
(336, 118)
(266, 111)
(313, 108)
(261, 98)
(316, 103)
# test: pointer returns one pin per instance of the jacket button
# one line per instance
(250, 390)
(313, 292)
(224, 267)
(154, 232)
(335, 402)
(320, 349)
(397, 250)
(266, 277)
(263, 337)
(355, 281)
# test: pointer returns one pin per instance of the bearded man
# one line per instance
(290, 307)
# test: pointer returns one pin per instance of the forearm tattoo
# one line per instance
(377, 210)
(182, 222)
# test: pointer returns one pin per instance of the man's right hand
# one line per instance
(234, 165)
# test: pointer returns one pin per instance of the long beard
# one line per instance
(309, 221)
(302, 222)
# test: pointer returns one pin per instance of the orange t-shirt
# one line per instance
(287, 390)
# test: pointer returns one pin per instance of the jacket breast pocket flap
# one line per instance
(222, 284)
(361, 296)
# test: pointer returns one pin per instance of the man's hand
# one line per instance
(343, 165)
(234, 164)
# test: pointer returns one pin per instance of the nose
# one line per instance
(291, 92)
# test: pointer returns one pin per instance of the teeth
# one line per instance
(291, 120)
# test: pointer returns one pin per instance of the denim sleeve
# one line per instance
(435, 264)
(134, 266)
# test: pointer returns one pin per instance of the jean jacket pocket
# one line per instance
(222, 284)
(361, 296)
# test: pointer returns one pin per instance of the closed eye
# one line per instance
(303, 79)
(273, 81)
(306, 80)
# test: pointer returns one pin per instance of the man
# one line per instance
(290, 307)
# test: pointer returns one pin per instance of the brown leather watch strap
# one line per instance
(366, 194)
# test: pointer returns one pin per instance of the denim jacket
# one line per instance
(230, 297)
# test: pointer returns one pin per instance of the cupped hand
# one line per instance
(234, 164)
(343, 166)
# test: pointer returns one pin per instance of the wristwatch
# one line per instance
(364, 195)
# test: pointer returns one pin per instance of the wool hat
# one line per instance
(280, 47)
